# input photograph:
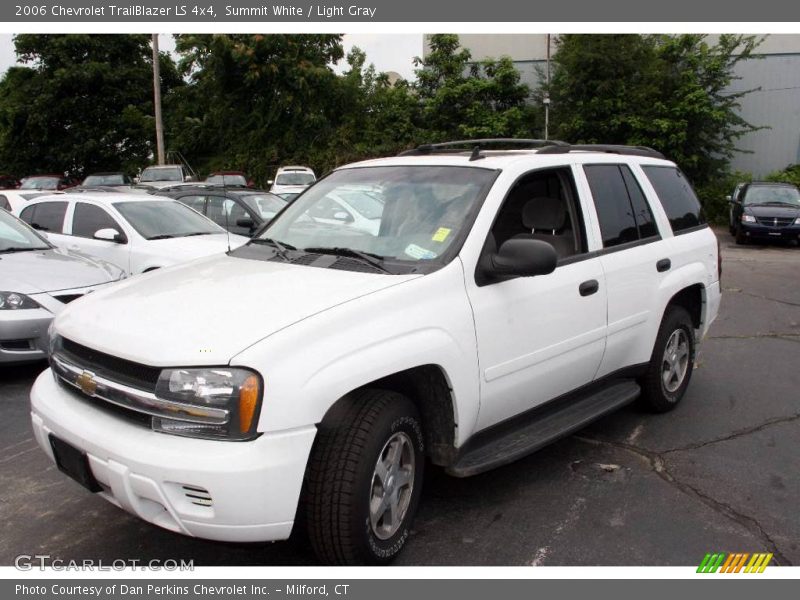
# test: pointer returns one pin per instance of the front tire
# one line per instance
(364, 479)
(741, 238)
(671, 363)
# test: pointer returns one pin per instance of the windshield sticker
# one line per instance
(441, 234)
(419, 252)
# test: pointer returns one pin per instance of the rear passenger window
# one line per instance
(89, 219)
(641, 209)
(614, 210)
(196, 202)
(47, 216)
(677, 197)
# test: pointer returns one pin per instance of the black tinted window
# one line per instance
(4, 203)
(641, 209)
(614, 211)
(89, 219)
(677, 197)
(196, 202)
(47, 216)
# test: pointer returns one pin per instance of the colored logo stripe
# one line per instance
(734, 562)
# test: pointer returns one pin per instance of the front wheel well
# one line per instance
(428, 388)
(690, 298)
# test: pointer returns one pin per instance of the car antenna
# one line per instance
(224, 198)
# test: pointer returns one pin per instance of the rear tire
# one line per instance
(364, 479)
(741, 238)
(671, 364)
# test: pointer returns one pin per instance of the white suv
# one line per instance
(507, 299)
(292, 180)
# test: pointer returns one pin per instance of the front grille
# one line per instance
(67, 298)
(116, 369)
(775, 221)
(128, 414)
(17, 345)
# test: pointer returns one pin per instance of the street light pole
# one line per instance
(157, 101)
(546, 99)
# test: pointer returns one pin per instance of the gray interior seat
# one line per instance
(546, 219)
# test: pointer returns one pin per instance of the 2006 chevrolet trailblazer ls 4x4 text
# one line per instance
(506, 298)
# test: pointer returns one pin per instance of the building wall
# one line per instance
(775, 106)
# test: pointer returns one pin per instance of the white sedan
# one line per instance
(138, 233)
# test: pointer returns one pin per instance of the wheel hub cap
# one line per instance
(675, 363)
(392, 486)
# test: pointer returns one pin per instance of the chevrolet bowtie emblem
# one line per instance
(86, 382)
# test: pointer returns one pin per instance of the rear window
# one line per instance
(47, 216)
(677, 197)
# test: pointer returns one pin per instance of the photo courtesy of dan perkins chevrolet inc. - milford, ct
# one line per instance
(512, 292)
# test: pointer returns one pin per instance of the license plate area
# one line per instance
(74, 463)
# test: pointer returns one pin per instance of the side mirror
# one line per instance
(188, 178)
(109, 235)
(343, 216)
(270, 182)
(729, 198)
(136, 180)
(521, 257)
(246, 222)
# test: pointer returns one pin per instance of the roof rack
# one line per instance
(607, 148)
(479, 144)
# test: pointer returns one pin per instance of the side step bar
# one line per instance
(507, 442)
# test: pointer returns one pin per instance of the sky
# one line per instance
(389, 52)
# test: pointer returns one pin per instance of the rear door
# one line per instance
(49, 219)
(634, 257)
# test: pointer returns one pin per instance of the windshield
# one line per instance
(295, 178)
(266, 205)
(161, 174)
(160, 219)
(421, 211)
(39, 183)
(227, 179)
(100, 180)
(768, 194)
(15, 236)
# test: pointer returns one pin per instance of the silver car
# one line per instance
(36, 281)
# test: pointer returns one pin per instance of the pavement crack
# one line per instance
(736, 434)
(754, 336)
(767, 298)
(659, 466)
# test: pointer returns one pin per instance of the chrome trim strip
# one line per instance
(136, 400)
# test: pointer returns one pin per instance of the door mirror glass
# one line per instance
(246, 222)
(343, 216)
(109, 235)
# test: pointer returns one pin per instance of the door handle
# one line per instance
(587, 288)
(663, 265)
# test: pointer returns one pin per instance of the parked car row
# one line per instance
(765, 210)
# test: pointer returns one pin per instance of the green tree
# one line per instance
(82, 103)
(463, 99)
(668, 92)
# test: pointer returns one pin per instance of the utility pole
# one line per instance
(546, 98)
(157, 101)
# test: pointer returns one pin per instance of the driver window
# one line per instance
(89, 219)
(541, 206)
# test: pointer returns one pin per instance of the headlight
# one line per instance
(236, 392)
(15, 301)
(797, 221)
(748, 219)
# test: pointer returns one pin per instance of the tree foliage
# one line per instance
(668, 92)
(81, 103)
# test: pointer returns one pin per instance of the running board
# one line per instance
(507, 442)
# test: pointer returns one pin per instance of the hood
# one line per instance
(287, 189)
(52, 270)
(766, 210)
(206, 312)
(185, 248)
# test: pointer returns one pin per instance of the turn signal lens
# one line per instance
(248, 403)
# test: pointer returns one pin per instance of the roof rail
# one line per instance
(479, 144)
(607, 148)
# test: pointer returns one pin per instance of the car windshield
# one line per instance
(294, 178)
(161, 174)
(101, 180)
(227, 179)
(266, 205)
(161, 219)
(424, 211)
(368, 204)
(39, 183)
(15, 236)
(772, 194)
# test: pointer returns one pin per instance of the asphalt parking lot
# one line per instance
(720, 473)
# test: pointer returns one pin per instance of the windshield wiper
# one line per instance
(792, 204)
(163, 236)
(197, 233)
(280, 247)
(20, 249)
(375, 260)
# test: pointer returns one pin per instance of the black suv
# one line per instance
(765, 210)
(240, 210)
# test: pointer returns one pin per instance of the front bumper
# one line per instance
(23, 335)
(252, 488)
(760, 231)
